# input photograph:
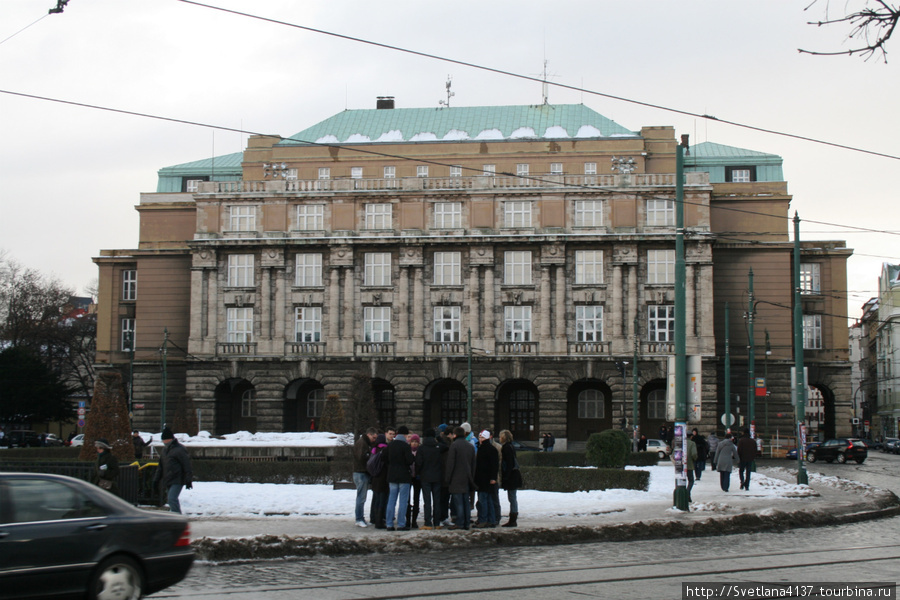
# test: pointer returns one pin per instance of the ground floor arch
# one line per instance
(517, 409)
(445, 402)
(236, 406)
(304, 400)
(588, 409)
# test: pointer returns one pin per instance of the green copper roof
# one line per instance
(718, 152)
(225, 163)
(460, 124)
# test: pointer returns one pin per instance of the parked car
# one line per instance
(520, 447)
(51, 439)
(63, 537)
(792, 453)
(841, 450)
(78, 440)
(660, 447)
(22, 438)
(891, 445)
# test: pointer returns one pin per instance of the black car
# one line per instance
(22, 438)
(891, 445)
(520, 447)
(841, 450)
(65, 538)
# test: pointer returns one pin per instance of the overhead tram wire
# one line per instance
(542, 81)
(24, 28)
(352, 148)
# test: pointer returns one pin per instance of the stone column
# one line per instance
(265, 305)
(560, 307)
(418, 302)
(402, 305)
(545, 307)
(280, 332)
(333, 302)
(198, 306)
(632, 301)
(214, 308)
(617, 317)
(473, 303)
(348, 329)
(489, 304)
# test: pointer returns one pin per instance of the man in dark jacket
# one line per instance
(459, 476)
(487, 466)
(429, 466)
(746, 450)
(362, 450)
(174, 470)
(139, 444)
(107, 467)
(399, 458)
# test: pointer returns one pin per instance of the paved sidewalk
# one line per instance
(826, 501)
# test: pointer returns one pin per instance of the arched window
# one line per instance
(315, 403)
(248, 403)
(454, 407)
(522, 406)
(591, 405)
(384, 406)
(656, 404)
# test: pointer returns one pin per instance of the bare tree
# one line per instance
(870, 28)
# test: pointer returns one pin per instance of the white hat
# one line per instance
(484, 435)
(466, 427)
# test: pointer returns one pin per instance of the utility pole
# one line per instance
(727, 416)
(634, 386)
(751, 367)
(680, 495)
(165, 352)
(799, 376)
(469, 381)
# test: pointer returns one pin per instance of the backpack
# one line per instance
(375, 464)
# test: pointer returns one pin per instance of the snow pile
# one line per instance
(318, 439)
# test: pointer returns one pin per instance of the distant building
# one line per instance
(887, 351)
(380, 240)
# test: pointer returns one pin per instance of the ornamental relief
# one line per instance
(412, 256)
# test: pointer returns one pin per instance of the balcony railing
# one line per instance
(508, 348)
(304, 349)
(582, 348)
(236, 348)
(374, 349)
(446, 348)
(656, 348)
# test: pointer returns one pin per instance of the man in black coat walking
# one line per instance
(399, 459)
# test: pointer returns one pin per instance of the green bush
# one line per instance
(550, 459)
(643, 459)
(55, 453)
(238, 471)
(555, 479)
(608, 449)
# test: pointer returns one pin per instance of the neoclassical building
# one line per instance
(527, 249)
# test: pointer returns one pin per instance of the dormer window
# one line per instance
(740, 174)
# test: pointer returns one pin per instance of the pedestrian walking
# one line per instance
(746, 449)
(459, 476)
(174, 472)
(139, 444)
(713, 442)
(487, 465)
(690, 458)
(429, 466)
(702, 453)
(107, 476)
(362, 450)
(399, 477)
(511, 476)
(726, 454)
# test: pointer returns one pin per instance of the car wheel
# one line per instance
(811, 456)
(661, 454)
(117, 578)
(860, 461)
(841, 458)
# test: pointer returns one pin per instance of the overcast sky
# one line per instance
(70, 176)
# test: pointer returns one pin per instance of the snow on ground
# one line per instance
(218, 499)
(318, 439)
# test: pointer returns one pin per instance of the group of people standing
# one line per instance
(445, 467)
(722, 454)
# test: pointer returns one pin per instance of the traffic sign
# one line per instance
(81, 422)
(730, 420)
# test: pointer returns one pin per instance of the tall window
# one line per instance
(740, 174)
(447, 215)
(446, 323)
(192, 185)
(456, 171)
(308, 271)
(517, 323)
(522, 169)
(240, 270)
(243, 218)
(556, 168)
(324, 172)
(390, 172)
(656, 404)
(378, 216)
(248, 403)
(315, 403)
(489, 170)
(447, 268)
(377, 269)
(812, 332)
(588, 213)
(590, 168)
(422, 171)
(517, 214)
(589, 323)
(661, 322)
(356, 172)
(810, 278)
(660, 266)
(127, 343)
(377, 323)
(239, 324)
(129, 285)
(660, 212)
(307, 324)
(517, 267)
(588, 266)
(591, 405)
(311, 217)
(290, 174)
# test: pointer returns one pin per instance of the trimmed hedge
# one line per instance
(54, 453)
(608, 449)
(238, 471)
(643, 459)
(555, 479)
(550, 459)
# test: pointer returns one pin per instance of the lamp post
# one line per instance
(469, 380)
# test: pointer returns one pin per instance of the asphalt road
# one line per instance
(864, 552)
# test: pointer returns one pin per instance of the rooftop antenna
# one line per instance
(545, 84)
(449, 93)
